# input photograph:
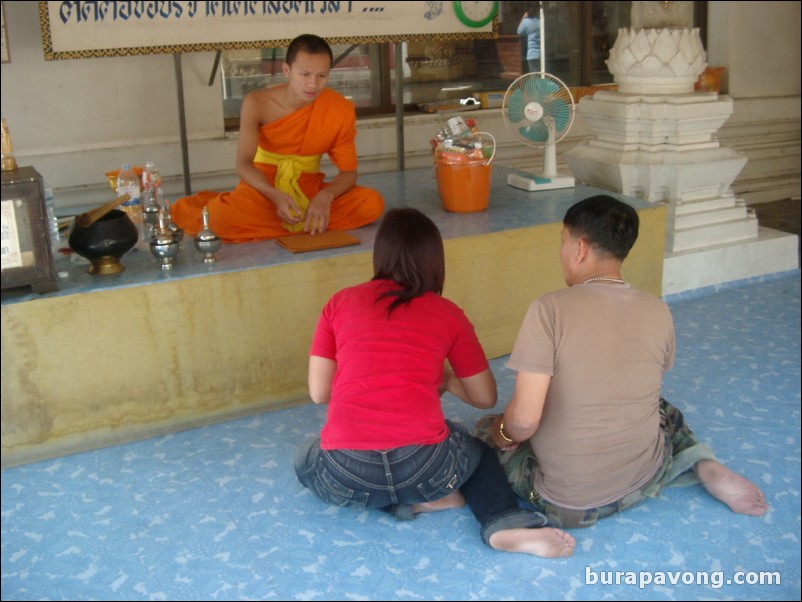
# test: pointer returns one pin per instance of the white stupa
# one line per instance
(656, 140)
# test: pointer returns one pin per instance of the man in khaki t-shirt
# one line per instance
(599, 436)
(586, 433)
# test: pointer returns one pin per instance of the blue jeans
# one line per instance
(395, 479)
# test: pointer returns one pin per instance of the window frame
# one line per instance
(385, 53)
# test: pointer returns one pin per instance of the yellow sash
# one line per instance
(288, 170)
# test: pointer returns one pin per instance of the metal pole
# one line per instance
(399, 106)
(344, 54)
(542, 41)
(182, 119)
(215, 66)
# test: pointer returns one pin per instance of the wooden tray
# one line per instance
(330, 239)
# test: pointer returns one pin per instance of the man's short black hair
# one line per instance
(310, 43)
(609, 225)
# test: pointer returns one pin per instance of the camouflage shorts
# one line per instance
(519, 466)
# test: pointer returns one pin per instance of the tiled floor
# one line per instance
(216, 513)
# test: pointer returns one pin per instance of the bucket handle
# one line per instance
(493, 154)
(489, 161)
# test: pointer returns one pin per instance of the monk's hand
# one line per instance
(287, 209)
(316, 219)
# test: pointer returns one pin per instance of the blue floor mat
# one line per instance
(216, 513)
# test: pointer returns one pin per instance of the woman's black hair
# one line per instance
(409, 251)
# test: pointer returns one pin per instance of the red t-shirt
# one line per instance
(385, 392)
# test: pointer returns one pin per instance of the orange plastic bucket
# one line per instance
(464, 187)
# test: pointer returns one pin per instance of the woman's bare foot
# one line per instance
(452, 500)
(739, 493)
(546, 542)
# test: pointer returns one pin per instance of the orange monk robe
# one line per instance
(326, 126)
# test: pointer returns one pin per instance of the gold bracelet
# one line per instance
(502, 433)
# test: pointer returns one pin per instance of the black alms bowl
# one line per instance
(105, 241)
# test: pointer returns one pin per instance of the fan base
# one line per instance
(533, 182)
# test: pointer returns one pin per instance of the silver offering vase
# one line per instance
(207, 242)
(178, 232)
(150, 215)
(164, 244)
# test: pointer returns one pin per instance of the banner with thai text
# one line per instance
(90, 29)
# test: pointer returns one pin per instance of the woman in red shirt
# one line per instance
(377, 359)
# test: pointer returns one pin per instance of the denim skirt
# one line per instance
(390, 479)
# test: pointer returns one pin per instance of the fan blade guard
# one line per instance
(535, 132)
(537, 88)
(516, 106)
(560, 111)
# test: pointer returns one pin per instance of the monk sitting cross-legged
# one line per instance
(284, 131)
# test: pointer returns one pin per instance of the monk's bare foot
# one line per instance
(739, 493)
(546, 542)
(452, 500)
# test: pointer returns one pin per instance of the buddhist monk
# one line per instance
(284, 131)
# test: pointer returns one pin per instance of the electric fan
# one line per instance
(539, 109)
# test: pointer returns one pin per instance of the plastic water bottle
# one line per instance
(151, 182)
(151, 179)
(128, 183)
(52, 220)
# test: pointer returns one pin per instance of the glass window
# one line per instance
(577, 39)
(352, 75)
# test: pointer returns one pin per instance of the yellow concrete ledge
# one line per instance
(89, 370)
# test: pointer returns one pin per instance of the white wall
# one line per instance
(758, 43)
(76, 119)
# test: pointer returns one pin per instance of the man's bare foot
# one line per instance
(546, 542)
(739, 493)
(452, 500)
